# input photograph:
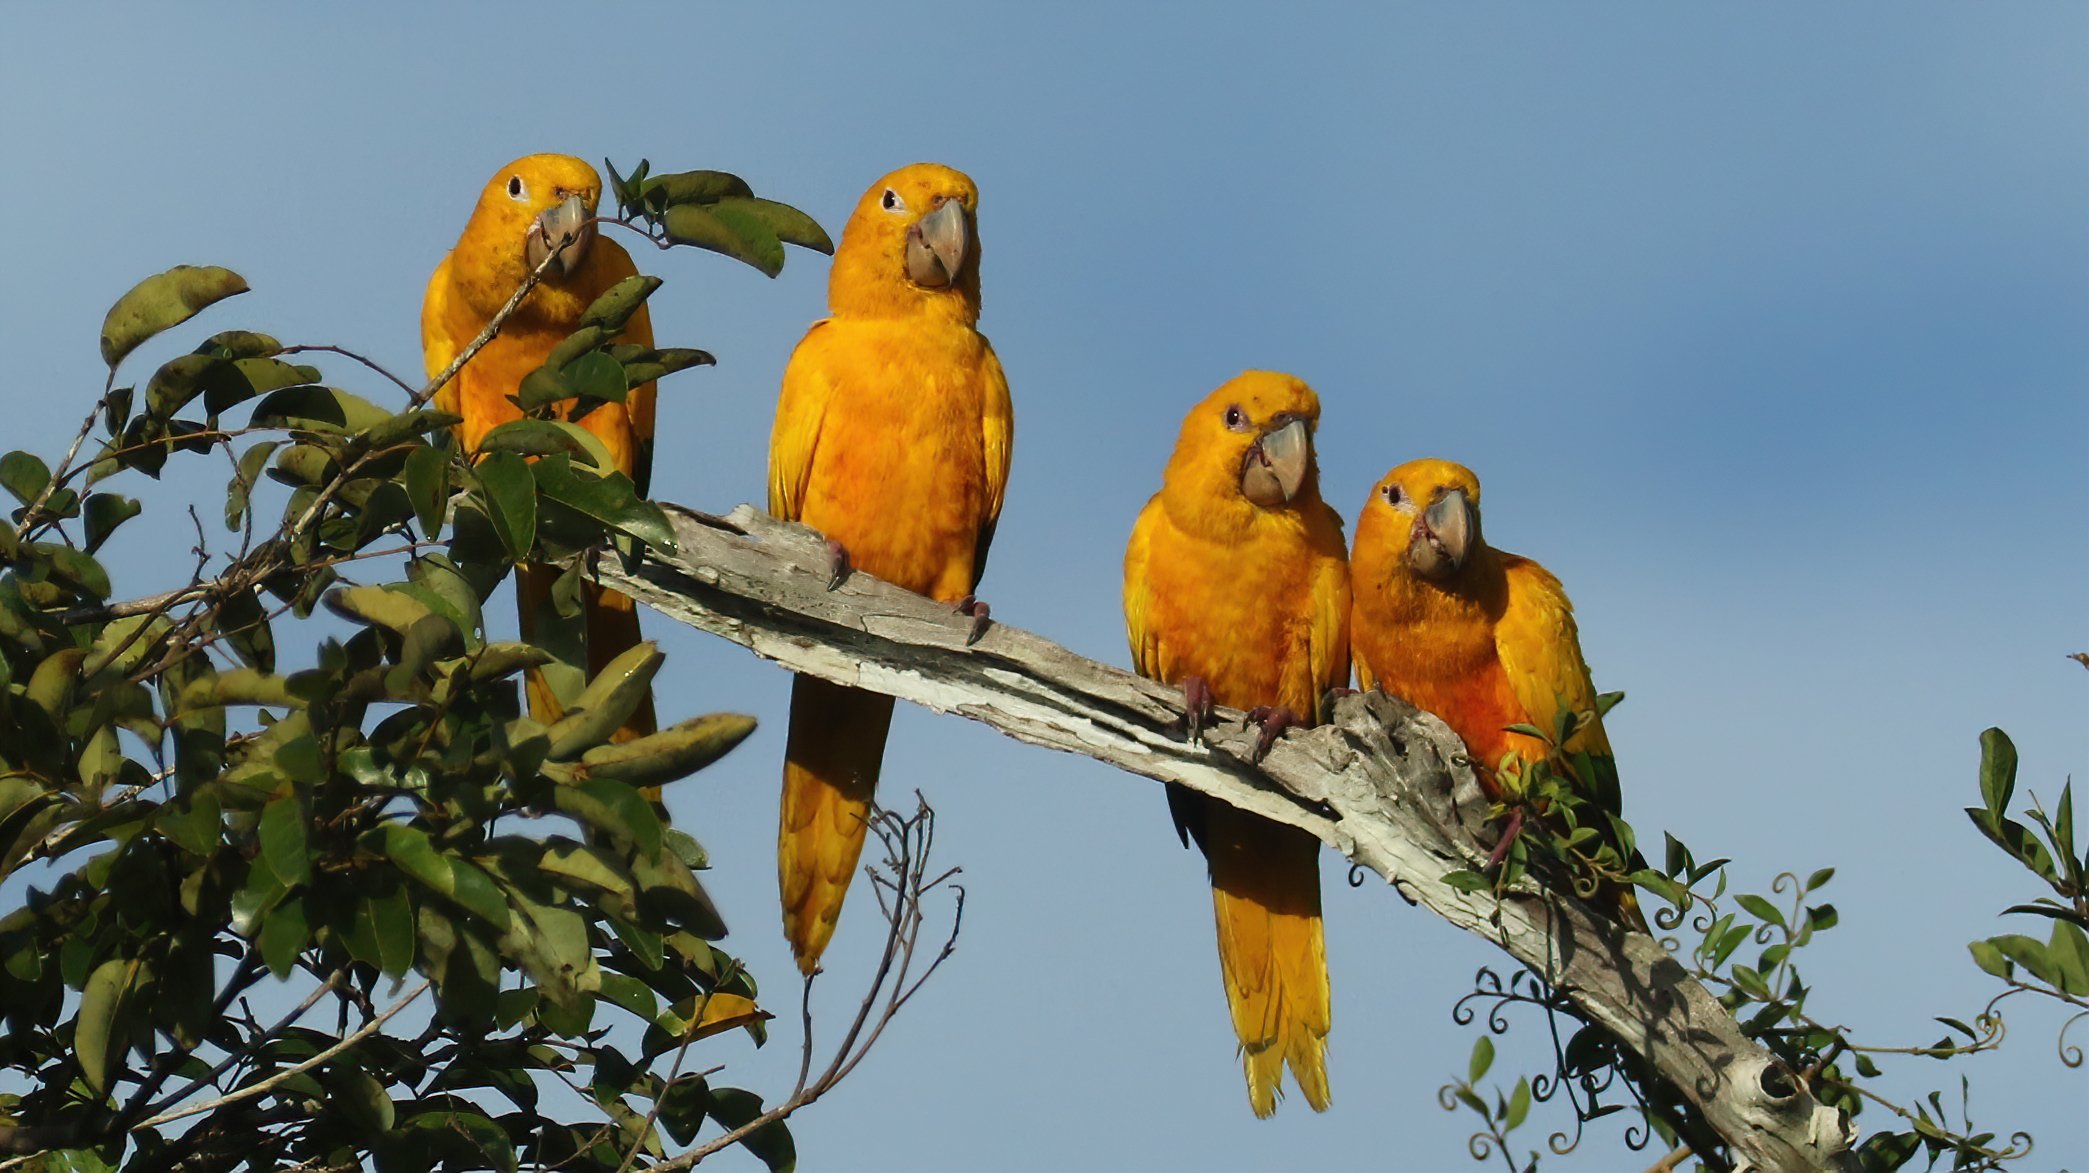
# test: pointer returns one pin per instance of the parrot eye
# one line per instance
(1236, 419)
(515, 189)
(892, 201)
(1393, 495)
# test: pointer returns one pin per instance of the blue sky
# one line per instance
(1763, 326)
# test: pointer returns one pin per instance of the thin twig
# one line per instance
(493, 327)
(254, 1089)
(344, 352)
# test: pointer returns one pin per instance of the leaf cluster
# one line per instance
(713, 210)
(200, 795)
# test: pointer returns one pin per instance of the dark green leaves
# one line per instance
(719, 212)
(511, 501)
(1997, 772)
(728, 232)
(610, 500)
(161, 302)
(24, 475)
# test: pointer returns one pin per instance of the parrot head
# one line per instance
(1248, 448)
(1426, 514)
(539, 206)
(912, 245)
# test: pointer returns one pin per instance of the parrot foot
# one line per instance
(1196, 709)
(1273, 721)
(978, 610)
(838, 566)
(1508, 840)
(1328, 699)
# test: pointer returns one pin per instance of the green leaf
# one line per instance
(612, 500)
(787, 223)
(194, 824)
(614, 308)
(24, 474)
(317, 409)
(103, 512)
(614, 809)
(1482, 1059)
(2028, 952)
(530, 436)
(99, 1033)
(1466, 881)
(284, 932)
(391, 920)
(1761, 909)
(681, 187)
(283, 844)
(511, 500)
(428, 487)
(407, 425)
(161, 302)
(251, 463)
(1997, 771)
(1989, 958)
(1519, 1106)
(771, 1144)
(735, 234)
(74, 569)
(1819, 878)
(2069, 952)
(360, 1096)
(683, 1107)
(596, 376)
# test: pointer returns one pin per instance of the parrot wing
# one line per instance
(1138, 595)
(1540, 651)
(997, 419)
(800, 409)
(438, 346)
(1328, 651)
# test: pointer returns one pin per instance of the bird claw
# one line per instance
(838, 565)
(981, 617)
(1196, 709)
(1273, 721)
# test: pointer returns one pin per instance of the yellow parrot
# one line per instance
(1236, 588)
(892, 438)
(1480, 637)
(536, 206)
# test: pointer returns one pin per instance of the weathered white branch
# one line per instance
(1384, 784)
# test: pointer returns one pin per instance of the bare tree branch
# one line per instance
(1387, 786)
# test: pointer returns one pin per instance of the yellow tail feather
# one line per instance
(830, 769)
(1265, 892)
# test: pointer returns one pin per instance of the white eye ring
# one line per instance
(1393, 495)
(893, 203)
(516, 190)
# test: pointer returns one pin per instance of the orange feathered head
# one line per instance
(535, 206)
(1422, 518)
(911, 247)
(1245, 452)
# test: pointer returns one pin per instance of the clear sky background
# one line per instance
(1763, 325)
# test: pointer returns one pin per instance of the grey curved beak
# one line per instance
(1276, 467)
(564, 233)
(1444, 536)
(936, 246)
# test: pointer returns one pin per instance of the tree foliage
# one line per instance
(303, 780)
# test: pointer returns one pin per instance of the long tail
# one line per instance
(611, 628)
(830, 768)
(1265, 891)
